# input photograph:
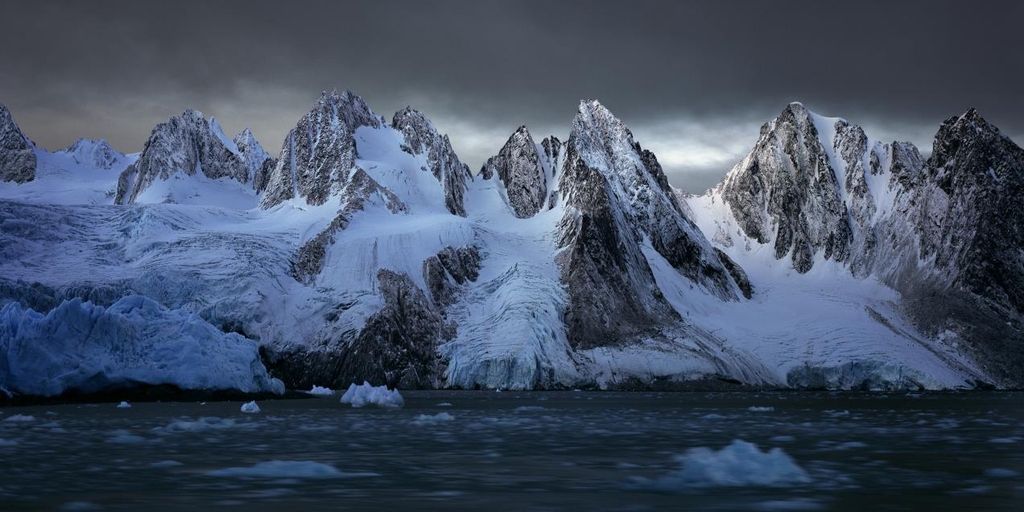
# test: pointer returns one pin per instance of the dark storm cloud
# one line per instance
(694, 80)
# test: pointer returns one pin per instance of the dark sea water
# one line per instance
(475, 450)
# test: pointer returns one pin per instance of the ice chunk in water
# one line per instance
(124, 405)
(366, 394)
(250, 407)
(321, 391)
(739, 464)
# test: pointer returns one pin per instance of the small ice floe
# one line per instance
(712, 416)
(124, 405)
(321, 391)
(287, 469)
(19, 418)
(738, 464)
(444, 404)
(755, 408)
(124, 437)
(250, 407)
(367, 394)
(203, 424)
(432, 419)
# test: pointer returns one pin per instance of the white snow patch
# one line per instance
(367, 394)
(738, 464)
(251, 407)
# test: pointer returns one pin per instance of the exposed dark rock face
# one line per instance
(946, 233)
(449, 269)
(17, 153)
(737, 273)
(977, 225)
(94, 153)
(319, 153)
(613, 296)
(187, 144)
(786, 192)
(616, 196)
(421, 137)
(258, 163)
(518, 166)
(397, 346)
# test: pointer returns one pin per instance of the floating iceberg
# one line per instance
(321, 391)
(367, 394)
(250, 407)
(739, 464)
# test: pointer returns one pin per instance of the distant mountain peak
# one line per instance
(94, 153)
(186, 144)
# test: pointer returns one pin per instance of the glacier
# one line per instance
(367, 251)
(86, 348)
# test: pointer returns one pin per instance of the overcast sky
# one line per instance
(693, 80)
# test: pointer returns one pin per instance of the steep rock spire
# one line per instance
(614, 197)
(318, 154)
(519, 168)
(17, 153)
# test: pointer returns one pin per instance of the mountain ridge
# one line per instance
(371, 252)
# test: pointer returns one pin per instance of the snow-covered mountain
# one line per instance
(367, 251)
(95, 154)
(944, 233)
(180, 157)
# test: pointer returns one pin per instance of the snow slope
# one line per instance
(373, 255)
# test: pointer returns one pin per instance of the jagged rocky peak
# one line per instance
(615, 201)
(187, 144)
(786, 192)
(318, 154)
(979, 176)
(259, 164)
(640, 186)
(17, 153)
(94, 153)
(422, 137)
(520, 169)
